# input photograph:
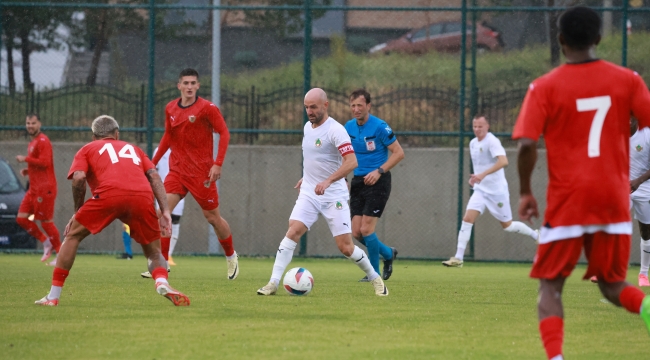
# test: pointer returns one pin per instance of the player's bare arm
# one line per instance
(396, 155)
(349, 163)
(298, 184)
(78, 195)
(159, 192)
(634, 184)
(24, 172)
(20, 158)
(502, 162)
(526, 159)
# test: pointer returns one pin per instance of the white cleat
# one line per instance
(380, 288)
(47, 302)
(233, 267)
(47, 250)
(52, 263)
(453, 262)
(147, 275)
(269, 289)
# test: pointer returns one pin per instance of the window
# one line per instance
(8, 181)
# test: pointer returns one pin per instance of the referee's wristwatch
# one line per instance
(381, 171)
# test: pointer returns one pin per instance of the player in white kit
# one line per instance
(490, 189)
(640, 191)
(328, 157)
(177, 212)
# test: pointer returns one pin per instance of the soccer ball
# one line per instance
(298, 281)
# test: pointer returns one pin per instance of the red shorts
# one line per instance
(136, 210)
(206, 196)
(41, 205)
(607, 256)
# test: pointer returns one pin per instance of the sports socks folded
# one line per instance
(521, 228)
(164, 246)
(361, 259)
(226, 244)
(58, 279)
(282, 259)
(372, 245)
(551, 330)
(645, 256)
(631, 299)
(463, 238)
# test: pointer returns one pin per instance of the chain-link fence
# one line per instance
(429, 65)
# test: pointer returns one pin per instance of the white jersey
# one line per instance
(640, 160)
(163, 170)
(322, 150)
(484, 155)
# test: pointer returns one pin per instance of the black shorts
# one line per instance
(369, 200)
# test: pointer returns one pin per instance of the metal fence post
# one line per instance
(624, 29)
(306, 87)
(461, 104)
(150, 95)
(473, 99)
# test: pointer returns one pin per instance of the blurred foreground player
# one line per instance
(40, 198)
(189, 123)
(121, 179)
(583, 109)
(640, 191)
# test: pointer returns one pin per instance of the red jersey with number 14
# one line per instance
(583, 110)
(113, 166)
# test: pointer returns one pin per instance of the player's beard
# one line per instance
(318, 117)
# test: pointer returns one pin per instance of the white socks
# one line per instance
(645, 256)
(521, 228)
(176, 228)
(282, 259)
(463, 238)
(361, 259)
(55, 292)
(162, 280)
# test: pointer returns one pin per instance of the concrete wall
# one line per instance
(257, 197)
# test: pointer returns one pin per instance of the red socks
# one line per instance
(53, 233)
(159, 272)
(631, 299)
(58, 276)
(164, 247)
(226, 244)
(31, 228)
(552, 332)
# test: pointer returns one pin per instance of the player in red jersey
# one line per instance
(583, 110)
(121, 179)
(39, 200)
(189, 123)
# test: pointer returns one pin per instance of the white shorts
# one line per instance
(336, 213)
(178, 210)
(499, 205)
(641, 207)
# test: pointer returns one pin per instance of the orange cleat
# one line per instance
(47, 302)
(175, 296)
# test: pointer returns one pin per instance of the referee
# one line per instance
(371, 139)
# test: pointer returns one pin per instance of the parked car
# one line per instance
(11, 195)
(444, 37)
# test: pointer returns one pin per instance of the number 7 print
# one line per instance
(601, 104)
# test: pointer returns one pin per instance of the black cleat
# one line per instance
(364, 279)
(388, 266)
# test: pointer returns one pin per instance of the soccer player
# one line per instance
(39, 199)
(640, 191)
(177, 212)
(583, 109)
(126, 240)
(121, 179)
(189, 123)
(328, 157)
(490, 189)
(370, 188)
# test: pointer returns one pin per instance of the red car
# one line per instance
(444, 37)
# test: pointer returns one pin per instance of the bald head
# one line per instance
(316, 106)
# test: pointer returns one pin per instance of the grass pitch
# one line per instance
(482, 311)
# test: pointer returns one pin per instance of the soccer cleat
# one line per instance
(175, 296)
(147, 275)
(233, 267)
(269, 289)
(388, 266)
(171, 261)
(380, 288)
(643, 280)
(47, 302)
(125, 256)
(52, 263)
(594, 279)
(645, 311)
(364, 279)
(47, 250)
(453, 262)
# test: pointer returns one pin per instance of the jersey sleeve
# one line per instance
(146, 163)
(44, 152)
(341, 140)
(385, 134)
(496, 149)
(640, 101)
(219, 126)
(79, 163)
(533, 115)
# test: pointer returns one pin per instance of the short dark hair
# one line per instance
(360, 92)
(480, 115)
(580, 27)
(188, 72)
(31, 115)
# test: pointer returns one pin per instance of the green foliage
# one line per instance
(482, 311)
(360, 44)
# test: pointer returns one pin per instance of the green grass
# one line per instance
(482, 311)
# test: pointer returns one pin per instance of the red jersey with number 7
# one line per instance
(113, 166)
(583, 110)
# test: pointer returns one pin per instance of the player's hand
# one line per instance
(67, 227)
(634, 184)
(165, 221)
(215, 173)
(298, 184)
(24, 172)
(20, 158)
(475, 179)
(321, 187)
(528, 207)
(371, 178)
